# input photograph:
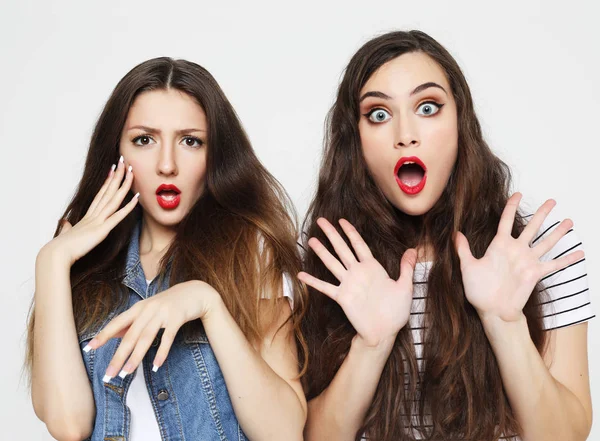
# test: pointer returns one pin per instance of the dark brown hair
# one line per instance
(239, 237)
(461, 385)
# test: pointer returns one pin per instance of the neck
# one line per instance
(154, 237)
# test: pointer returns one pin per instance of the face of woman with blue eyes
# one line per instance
(408, 131)
(164, 140)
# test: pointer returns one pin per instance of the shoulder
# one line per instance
(565, 293)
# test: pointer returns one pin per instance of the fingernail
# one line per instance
(129, 169)
(121, 159)
(106, 379)
(87, 349)
(123, 373)
(137, 195)
(154, 368)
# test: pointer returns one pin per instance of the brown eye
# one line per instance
(191, 141)
(142, 140)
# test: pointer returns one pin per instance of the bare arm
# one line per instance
(378, 307)
(61, 392)
(339, 411)
(267, 398)
(550, 404)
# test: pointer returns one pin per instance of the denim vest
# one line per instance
(188, 393)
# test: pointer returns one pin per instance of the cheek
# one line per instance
(375, 142)
(443, 140)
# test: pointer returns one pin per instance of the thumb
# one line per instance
(463, 249)
(65, 226)
(407, 264)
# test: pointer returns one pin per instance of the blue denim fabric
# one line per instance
(188, 393)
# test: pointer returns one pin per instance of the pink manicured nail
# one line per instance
(154, 368)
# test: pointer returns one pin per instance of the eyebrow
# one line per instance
(375, 94)
(416, 90)
(152, 130)
(424, 86)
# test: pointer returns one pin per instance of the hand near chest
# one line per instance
(500, 283)
(140, 324)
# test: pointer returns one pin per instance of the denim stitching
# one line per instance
(208, 389)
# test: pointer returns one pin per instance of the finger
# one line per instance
(534, 225)
(113, 220)
(360, 247)
(112, 188)
(340, 247)
(126, 347)
(562, 262)
(102, 190)
(546, 244)
(113, 205)
(112, 329)
(326, 288)
(141, 348)
(407, 266)
(166, 342)
(64, 227)
(328, 259)
(463, 249)
(508, 214)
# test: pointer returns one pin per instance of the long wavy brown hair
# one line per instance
(240, 236)
(460, 387)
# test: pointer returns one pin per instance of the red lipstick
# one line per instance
(415, 185)
(168, 196)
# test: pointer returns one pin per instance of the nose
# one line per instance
(167, 161)
(406, 133)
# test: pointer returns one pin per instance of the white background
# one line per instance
(533, 68)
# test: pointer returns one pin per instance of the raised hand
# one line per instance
(499, 284)
(140, 324)
(74, 242)
(376, 305)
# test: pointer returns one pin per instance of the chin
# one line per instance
(413, 206)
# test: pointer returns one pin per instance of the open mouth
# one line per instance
(168, 196)
(411, 174)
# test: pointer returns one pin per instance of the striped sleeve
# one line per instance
(566, 296)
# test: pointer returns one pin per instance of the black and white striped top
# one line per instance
(568, 298)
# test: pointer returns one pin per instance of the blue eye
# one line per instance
(192, 141)
(378, 115)
(428, 108)
(142, 140)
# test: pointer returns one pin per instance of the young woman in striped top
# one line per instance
(450, 343)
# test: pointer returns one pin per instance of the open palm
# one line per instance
(376, 305)
(500, 283)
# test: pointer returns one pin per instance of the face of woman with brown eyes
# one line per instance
(164, 140)
(408, 130)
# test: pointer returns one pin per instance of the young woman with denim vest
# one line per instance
(159, 309)
(433, 324)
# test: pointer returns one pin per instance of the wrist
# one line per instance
(382, 348)
(499, 330)
(52, 255)
(209, 299)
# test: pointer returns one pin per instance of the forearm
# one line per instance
(266, 406)
(339, 411)
(61, 392)
(545, 409)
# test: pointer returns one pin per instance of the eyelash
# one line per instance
(198, 140)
